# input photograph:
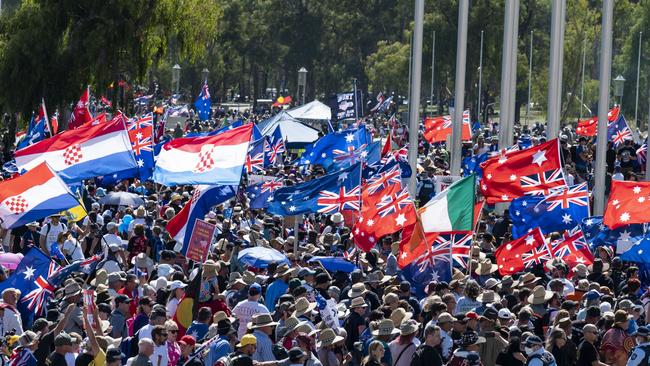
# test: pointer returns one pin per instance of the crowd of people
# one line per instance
(242, 316)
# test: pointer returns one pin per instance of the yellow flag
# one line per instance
(74, 214)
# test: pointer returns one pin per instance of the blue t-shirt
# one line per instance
(197, 330)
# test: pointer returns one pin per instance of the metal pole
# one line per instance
(514, 30)
(356, 102)
(555, 68)
(408, 97)
(638, 72)
(480, 79)
(530, 74)
(459, 85)
(582, 78)
(603, 106)
(433, 67)
(414, 101)
(647, 142)
(505, 98)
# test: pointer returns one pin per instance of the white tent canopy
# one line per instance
(293, 131)
(313, 110)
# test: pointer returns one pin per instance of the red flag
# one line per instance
(81, 113)
(386, 149)
(106, 101)
(383, 212)
(437, 129)
(629, 203)
(521, 253)
(54, 122)
(532, 171)
(589, 127)
(413, 243)
(573, 249)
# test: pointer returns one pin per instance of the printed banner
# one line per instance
(200, 241)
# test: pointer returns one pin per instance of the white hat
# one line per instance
(176, 285)
(504, 313)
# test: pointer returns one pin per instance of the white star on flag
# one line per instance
(625, 217)
(292, 208)
(504, 197)
(636, 189)
(140, 163)
(539, 157)
(349, 138)
(400, 220)
(530, 240)
(566, 218)
(343, 176)
(503, 159)
(615, 202)
(370, 222)
(29, 272)
(513, 177)
(403, 255)
(589, 222)
(641, 199)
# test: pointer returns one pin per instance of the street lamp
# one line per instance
(302, 84)
(618, 88)
(176, 77)
(205, 74)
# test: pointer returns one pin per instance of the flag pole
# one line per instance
(433, 68)
(530, 75)
(480, 79)
(555, 68)
(582, 79)
(414, 99)
(638, 71)
(603, 105)
(506, 74)
(459, 99)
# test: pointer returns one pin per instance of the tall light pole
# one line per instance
(176, 77)
(508, 73)
(205, 72)
(433, 68)
(414, 100)
(513, 69)
(619, 84)
(558, 8)
(480, 79)
(582, 78)
(302, 84)
(638, 73)
(530, 74)
(459, 85)
(603, 106)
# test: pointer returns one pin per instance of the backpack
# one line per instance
(49, 226)
(546, 358)
(129, 345)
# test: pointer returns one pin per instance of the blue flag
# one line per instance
(35, 132)
(260, 194)
(334, 147)
(202, 104)
(638, 252)
(275, 147)
(597, 234)
(256, 159)
(472, 165)
(619, 131)
(369, 154)
(329, 194)
(560, 210)
(433, 265)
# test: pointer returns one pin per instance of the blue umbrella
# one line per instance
(334, 264)
(260, 257)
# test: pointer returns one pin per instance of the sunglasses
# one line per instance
(172, 331)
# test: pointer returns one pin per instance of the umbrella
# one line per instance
(334, 264)
(260, 257)
(10, 260)
(121, 199)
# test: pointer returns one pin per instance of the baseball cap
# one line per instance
(113, 354)
(254, 289)
(122, 299)
(246, 340)
(533, 340)
(188, 340)
(505, 314)
(63, 339)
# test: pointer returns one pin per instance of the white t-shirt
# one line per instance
(145, 332)
(172, 305)
(109, 239)
(244, 311)
(55, 230)
(160, 357)
(73, 249)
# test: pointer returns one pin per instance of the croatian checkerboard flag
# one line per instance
(211, 160)
(83, 153)
(32, 196)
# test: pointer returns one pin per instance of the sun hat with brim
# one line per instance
(378, 277)
(528, 279)
(302, 307)
(539, 295)
(28, 338)
(292, 323)
(408, 327)
(101, 278)
(471, 338)
(248, 277)
(445, 318)
(246, 340)
(221, 315)
(358, 302)
(328, 337)
(390, 298)
(71, 289)
(580, 270)
(488, 297)
(358, 289)
(583, 285)
(261, 321)
(342, 310)
(176, 284)
(385, 327)
(485, 268)
(33, 224)
(491, 283)
(399, 315)
(507, 282)
(621, 316)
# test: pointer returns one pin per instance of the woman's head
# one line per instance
(172, 330)
(376, 350)
(138, 229)
(557, 339)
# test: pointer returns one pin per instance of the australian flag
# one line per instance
(472, 165)
(260, 194)
(622, 238)
(202, 104)
(638, 253)
(334, 147)
(256, 159)
(560, 210)
(36, 130)
(275, 147)
(619, 131)
(329, 194)
(432, 265)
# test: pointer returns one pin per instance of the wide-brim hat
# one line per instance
(337, 218)
(101, 278)
(292, 323)
(485, 268)
(528, 279)
(539, 295)
(488, 296)
(71, 289)
(580, 270)
(385, 327)
(302, 307)
(378, 277)
(507, 282)
(471, 338)
(210, 268)
(408, 327)
(358, 289)
(399, 316)
(142, 260)
(261, 320)
(328, 337)
(358, 302)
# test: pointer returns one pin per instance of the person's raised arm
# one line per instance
(90, 332)
(61, 325)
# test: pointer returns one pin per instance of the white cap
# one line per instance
(505, 314)
(176, 284)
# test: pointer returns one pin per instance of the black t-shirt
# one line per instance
(351, 325)
(587, 353)
(56, 359)
(45, 347)
(84, 359)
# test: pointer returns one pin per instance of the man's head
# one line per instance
(432, 335)
(158, 317)
(113, 357)
(532, 344)
(205, 315)
(445, 321)
(63, 343)
(145, 347)
(10, 296)
(254, 292)
(159, 335)
(187, 344)
(590, 332)
(247, 344)
(131, 282)
(29, 340)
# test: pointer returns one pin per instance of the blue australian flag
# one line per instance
(368, 154)
(433, 265)
(619, 131)
(260, 194)
(35, 132)
(472, 165)
(560, 210)
(256, 159)
(597, 234)
(329, 194)
(334, 146)
(275, 147)
(202, 104)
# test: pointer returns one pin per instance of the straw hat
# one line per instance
(507, 282)
(291, 324)
(248, 277)
(261, 320)
(399, 315)
(210, 268)
(328, 337)
(337, 218)
(385, 327)
(143, 261)
(488, 297)
(580, 270)
(221, 315)
(485, 268)
(583, 284)
(390, 298)
(302, 307)
(408, 327)
(527, 279)
(101, 278)
(71, 289)
(358, 302)
(378, 277)
(539, 295)
(358, 289)
(445, 318)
